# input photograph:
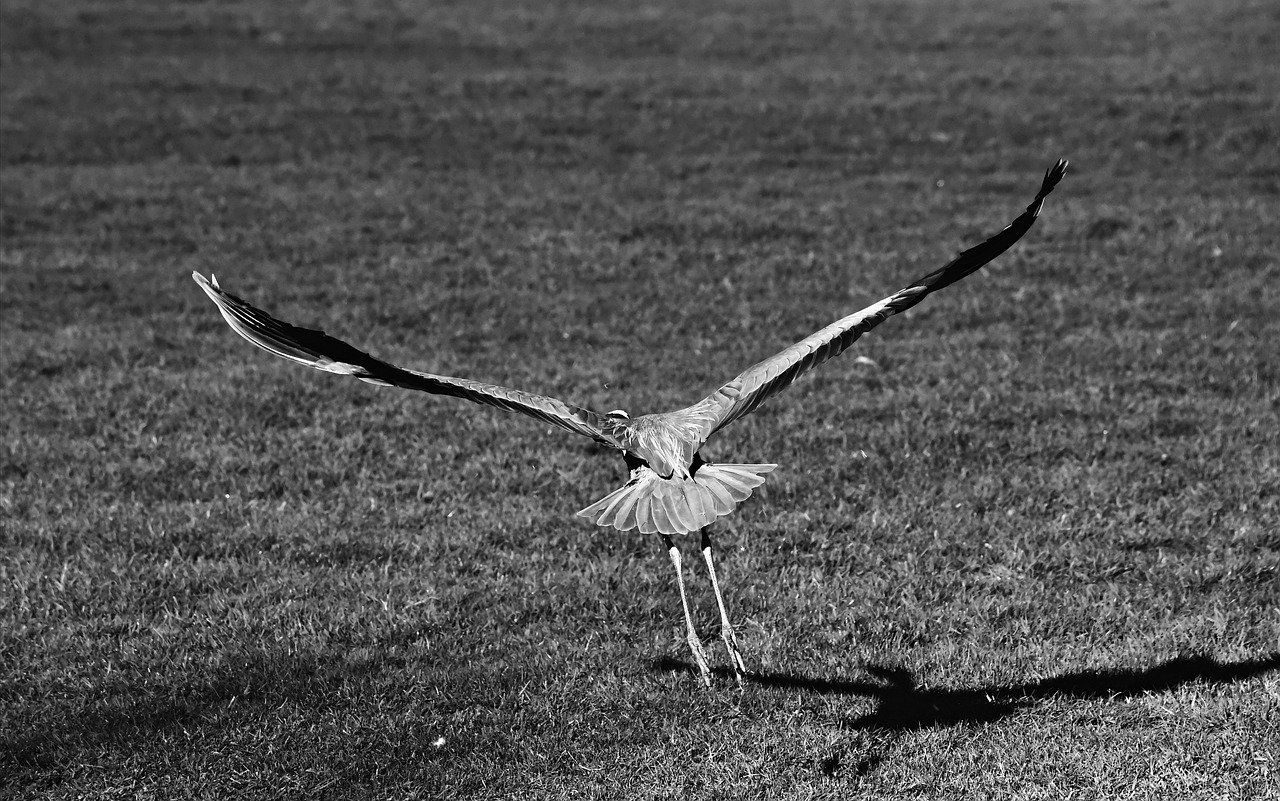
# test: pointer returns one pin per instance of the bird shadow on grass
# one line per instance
(903, 706)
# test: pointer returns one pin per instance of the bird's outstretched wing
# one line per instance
(319, 350)
(761, 381)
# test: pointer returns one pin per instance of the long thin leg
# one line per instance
(726, 628)
(695, 644)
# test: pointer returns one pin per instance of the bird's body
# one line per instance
(671, 489)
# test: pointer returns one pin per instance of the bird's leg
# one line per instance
(695, 644)
(726, 629)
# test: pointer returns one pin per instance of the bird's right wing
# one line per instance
(765, 379)
(319, 350)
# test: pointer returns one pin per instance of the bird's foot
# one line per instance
(700, 658)
(735, 655)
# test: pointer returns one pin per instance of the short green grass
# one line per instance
(1031, 553)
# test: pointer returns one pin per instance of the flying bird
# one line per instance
(672, 490)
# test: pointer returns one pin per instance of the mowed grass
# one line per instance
(1031, 552)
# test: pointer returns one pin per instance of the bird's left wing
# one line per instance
(761, 381)
(319, 350)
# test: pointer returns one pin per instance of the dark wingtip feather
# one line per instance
(1051, 178)
(971, 260)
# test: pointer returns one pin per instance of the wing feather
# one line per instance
(320, 351)
(765, 379)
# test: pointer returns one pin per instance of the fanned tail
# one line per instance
(654, 504)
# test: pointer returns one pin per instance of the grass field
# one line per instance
(1032, 552)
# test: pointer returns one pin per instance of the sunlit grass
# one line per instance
(1030, 551)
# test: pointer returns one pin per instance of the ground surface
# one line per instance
(1031, 552)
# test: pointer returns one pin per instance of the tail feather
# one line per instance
(658, 511)
(739, 482)
(721, 501)
(624, 510)
(654, 504)
(617, 503)
(698, 504)
(643, 503)
(685, 508)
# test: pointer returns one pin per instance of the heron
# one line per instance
(671, 490)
